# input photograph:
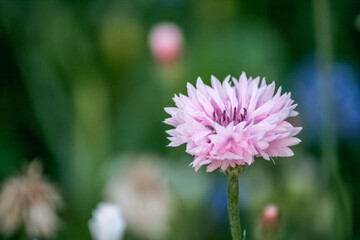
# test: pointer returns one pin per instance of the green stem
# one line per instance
(325, 57)
(233, 206)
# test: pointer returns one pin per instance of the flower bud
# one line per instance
(166, 42)
(270, 216)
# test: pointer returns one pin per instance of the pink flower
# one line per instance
(166, 40)
(230, 123)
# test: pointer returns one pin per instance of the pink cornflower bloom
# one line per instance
(228, 124)
(166, 42)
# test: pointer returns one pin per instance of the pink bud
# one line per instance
(166, 42)
(270, 217)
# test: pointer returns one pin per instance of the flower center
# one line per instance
(226, 117)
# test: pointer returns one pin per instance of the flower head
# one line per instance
(142, 190)
(345, 91)
(228, 124)
(29, 200)
(107, 222)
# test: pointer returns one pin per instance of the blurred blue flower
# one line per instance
(218, 201)
(346, 98)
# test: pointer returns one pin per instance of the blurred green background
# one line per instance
(81, 90)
